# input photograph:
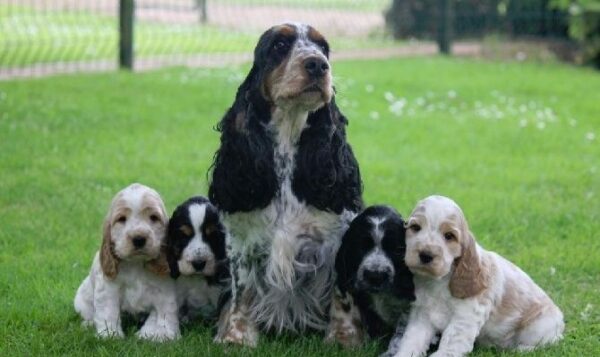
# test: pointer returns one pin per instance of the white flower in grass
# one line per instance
(522, 108)
(552, 270)
(398, 106)
(523, 123)
(451, 94)
(369, 88)
(389, 96)
(590, 136)
(420, 101)
(572, 122)
(541, 125)
(374, 115)
(585, 314)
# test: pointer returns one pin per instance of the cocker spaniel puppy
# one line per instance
(467, 293)
(374, 287)
(129, 273)
(287, 184)
(196, 256)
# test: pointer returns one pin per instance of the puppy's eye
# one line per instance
(449, 236)
(414, 227)
(154, 218)
(280, 46)
(122, 219)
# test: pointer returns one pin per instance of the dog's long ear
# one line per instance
(470, 277)
(348, 259)
(326, 173)
(108, 261)
(159, 266)
(243, 175)
(169, 251)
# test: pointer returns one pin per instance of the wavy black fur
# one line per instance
(243, 171)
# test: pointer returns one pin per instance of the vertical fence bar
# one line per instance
(445, 26)
(126, 18)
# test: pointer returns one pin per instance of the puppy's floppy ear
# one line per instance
(159, 266)
(470, 277)
(169, 251)
(108, 261)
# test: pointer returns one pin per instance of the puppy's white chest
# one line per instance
(434, 299)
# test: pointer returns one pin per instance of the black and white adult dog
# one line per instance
(287, 184)
(195, 251)
(374, 286)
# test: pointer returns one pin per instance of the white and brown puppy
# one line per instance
(129, 273)
(467, 293)
(196, 256)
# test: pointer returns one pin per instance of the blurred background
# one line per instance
(40, 37)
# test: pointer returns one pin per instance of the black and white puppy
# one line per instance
(287, 184)
(374, 286)
(197, 259)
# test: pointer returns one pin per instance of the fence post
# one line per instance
(126, 18)
(445, 26)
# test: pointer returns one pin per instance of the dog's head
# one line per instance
(196, 240)
(439, 243)
(287, 95)
(291, 67)
(371, 257)
(134, 228)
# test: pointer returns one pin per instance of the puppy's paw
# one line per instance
(158, 333)
(240, 331)
(110, 333)
(347, 336)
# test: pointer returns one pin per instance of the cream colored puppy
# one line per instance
(466, 293)
(129, 273)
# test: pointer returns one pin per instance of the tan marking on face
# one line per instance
(187, 230)
(285, 29)
(274, 80)
(152, 205)
(315, 35)
(209, 229)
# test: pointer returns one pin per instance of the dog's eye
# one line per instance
(122, 219)
(280, 46)
(414, 227)
(154, 218)
(449, 236)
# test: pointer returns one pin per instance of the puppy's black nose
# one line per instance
(316, 67)
(425, 257)
(139, 241)
(199, 264)
(376, 278)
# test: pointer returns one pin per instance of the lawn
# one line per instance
(516, 145)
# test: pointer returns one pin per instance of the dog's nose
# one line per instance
(316, 67)
(376, 278)
(138, 241)
(425, 257)
(199, 264)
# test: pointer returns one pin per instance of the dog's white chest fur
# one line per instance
(292, 245)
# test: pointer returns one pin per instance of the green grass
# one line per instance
(29, 36)
(516, 145)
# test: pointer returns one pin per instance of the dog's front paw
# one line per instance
(240, 331)
(158, 333)
(347, 336)
(110, 333)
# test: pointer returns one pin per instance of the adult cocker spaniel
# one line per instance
(129, 273)
(467, 293)
(287, 184)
